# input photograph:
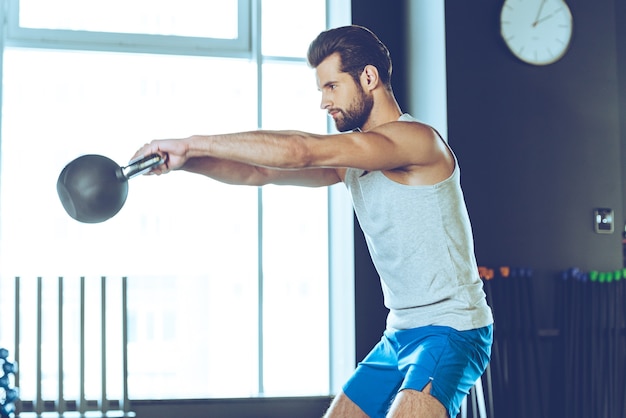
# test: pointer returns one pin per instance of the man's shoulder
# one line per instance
(404, 127)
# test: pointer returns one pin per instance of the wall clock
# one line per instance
(537, 32)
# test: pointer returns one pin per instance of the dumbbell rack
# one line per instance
(61, 407)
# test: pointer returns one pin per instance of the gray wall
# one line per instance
(540, 147)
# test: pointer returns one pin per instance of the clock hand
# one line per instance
(542, 19)
(546, 17)
(543, 2)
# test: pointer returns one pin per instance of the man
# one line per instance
(404, 182)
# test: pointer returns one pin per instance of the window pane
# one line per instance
(188, 245)
(211, 19)
(185, 328)
(291, 99)
(295, 248)
(295, 304)
(290, 26)
(58, 105)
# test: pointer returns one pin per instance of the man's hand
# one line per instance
(173, 151)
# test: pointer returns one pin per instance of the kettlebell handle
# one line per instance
(141, 165)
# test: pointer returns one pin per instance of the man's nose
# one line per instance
(325, 103)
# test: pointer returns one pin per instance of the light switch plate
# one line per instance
(604, 220)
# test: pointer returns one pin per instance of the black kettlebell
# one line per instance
(93, 188)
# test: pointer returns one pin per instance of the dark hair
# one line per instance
(357, 46)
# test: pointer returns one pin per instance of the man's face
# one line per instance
(345, 101)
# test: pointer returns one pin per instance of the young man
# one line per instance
(404, 182)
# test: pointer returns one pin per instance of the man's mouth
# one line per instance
(333, 113)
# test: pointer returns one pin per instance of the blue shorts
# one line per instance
(410, 359)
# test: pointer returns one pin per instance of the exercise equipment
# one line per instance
(514, 384)
(8, 393)
(93, 188)
(592, 317)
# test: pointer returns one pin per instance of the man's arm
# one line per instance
(233, 172)
(299, 158)
(187, 154)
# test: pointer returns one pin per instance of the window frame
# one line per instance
(246, 45)
(130, 42)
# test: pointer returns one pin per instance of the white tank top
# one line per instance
(421, 243)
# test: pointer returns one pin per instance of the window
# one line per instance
(189, 18)
(180, 27)
(228, 286)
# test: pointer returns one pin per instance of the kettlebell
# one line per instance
(93, 188)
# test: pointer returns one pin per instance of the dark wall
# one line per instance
(539, 146)
(620, 19)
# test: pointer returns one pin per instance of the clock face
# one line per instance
(536, 31)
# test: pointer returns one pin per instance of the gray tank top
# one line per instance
(421, 243)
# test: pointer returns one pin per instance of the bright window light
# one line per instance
(228, 286)
(206, 19)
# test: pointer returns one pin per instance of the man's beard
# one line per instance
(357, 114)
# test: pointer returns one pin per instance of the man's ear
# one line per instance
(369, 77)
